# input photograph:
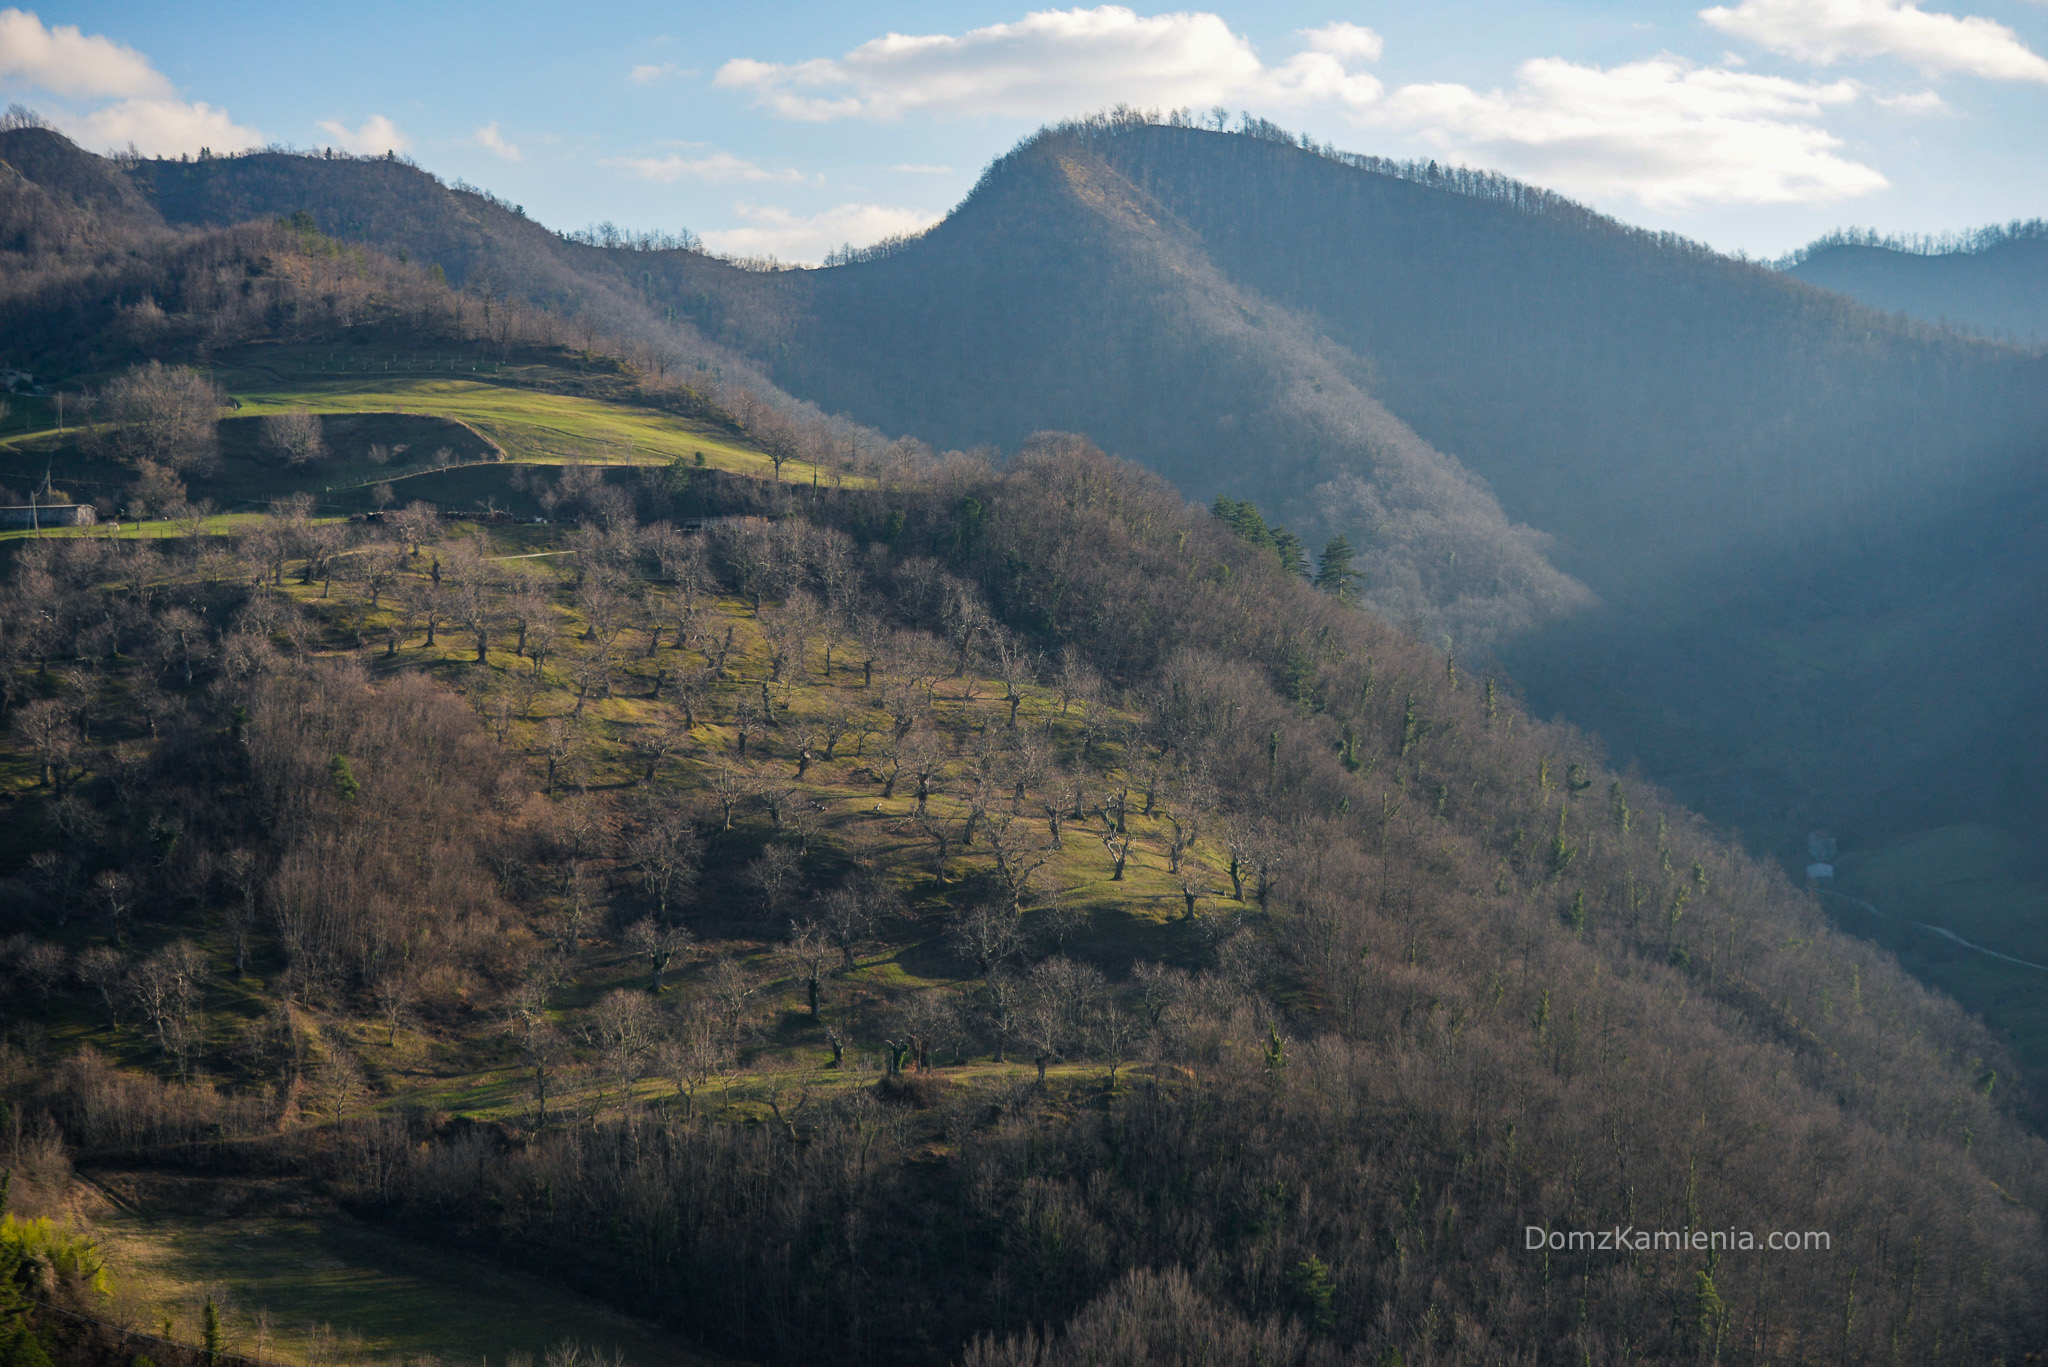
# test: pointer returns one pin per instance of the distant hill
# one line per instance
(1064, 295)
(478, 242)
(1727, 457)
(1648, 476)
(1993, 282)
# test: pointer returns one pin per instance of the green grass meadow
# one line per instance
(462, 413)
(311, 1287)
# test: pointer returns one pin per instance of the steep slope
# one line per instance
(1061, 296)
(70, 174)
(1323, 1029)
(1323, 970)
(984, 340)
(480, 243)
(1647, 401)
(1503, 399)
(1726, 456)
(1997, 286)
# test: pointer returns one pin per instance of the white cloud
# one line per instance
(158, 128)
(378, 134)
(774, 231)
(914, 168)
(493, 141)
(1052, 63)
(1824, 32)
(1919, 102)
(71, 64)
(65, 61)
(1662, 132)
(657, 71)
(1344, 40)
(716, 167)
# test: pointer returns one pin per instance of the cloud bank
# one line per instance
(1824, 32)
(1052, 63)
(1667, 133)
(145, 113)
(1663, 132)
(65, 61)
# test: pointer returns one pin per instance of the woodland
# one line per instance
(1987, 282)
(955, 906)
(1651, 480)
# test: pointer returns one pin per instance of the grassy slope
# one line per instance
(314, 1285)
(1140, 914)
(532, 426)
(218, 524)
(382, 1292)
(470, 1072)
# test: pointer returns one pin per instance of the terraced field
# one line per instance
(425, 435)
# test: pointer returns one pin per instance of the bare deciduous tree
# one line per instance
(777, 875)
(164, 414)
(294, 435)
(664, 850)
(659, 944)
(805, 955)
(623, 1029)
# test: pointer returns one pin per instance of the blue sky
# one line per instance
(1754, 125)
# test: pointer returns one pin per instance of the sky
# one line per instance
(790, 129)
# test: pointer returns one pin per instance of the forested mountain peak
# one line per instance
(52, 161)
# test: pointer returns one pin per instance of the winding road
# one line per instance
(1934, 930)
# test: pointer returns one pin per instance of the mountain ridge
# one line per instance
(1993, 282)
(1547, 433)
(649, 895)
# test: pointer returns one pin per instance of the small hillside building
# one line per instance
(46, 515)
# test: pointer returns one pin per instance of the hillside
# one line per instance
(1995, 284)
(1502, 400)
(1764, 542)
(1439, 547)
(1258, 286)
(67, 211)
(1002, 883)
(1674, 422)
(840, 902)
(1071, 932)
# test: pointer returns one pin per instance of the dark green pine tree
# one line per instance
(1244, 519)
(1334, 574)
(1250, 524)
(1292, 552)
